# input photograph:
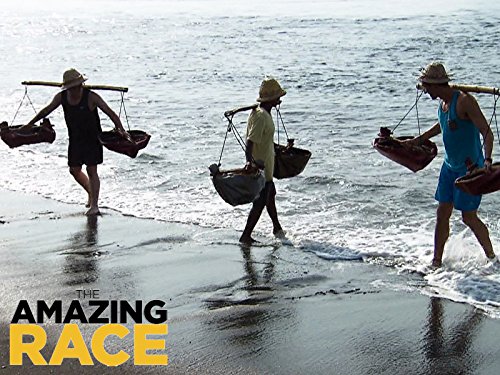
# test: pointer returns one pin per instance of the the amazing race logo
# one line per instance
(28, 338)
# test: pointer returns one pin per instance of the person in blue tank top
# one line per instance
(461, 122)
(84, 127)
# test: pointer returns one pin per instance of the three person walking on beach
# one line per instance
(260, 146)
(84, 127)
(460, 121)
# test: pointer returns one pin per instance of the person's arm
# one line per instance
(56, 102)
(474, 113)
(248, 153)
(97, 101)
(428, 134)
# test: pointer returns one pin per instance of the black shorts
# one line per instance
(89, 153)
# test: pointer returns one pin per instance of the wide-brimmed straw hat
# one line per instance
(434, 73)
(270, 89)
(72, 78)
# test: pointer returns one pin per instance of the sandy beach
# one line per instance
(269, 309)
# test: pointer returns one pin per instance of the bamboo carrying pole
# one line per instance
(232, 112)
(91, 87)
(476, 89)
(471, 88)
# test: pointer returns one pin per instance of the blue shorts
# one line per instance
(447, 192)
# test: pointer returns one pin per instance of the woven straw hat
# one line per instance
(72, 78)
(434, 73)
(270, 89)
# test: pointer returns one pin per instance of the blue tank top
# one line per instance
(460, 137)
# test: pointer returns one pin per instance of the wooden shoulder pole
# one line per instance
(471, 88)
(41, 83)
(477, 89)
(90, 87)
(232, 112)
(105, 87)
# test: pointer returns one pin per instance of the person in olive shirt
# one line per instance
(84, 127)
(260, 146)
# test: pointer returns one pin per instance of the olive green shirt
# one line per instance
(260, 130)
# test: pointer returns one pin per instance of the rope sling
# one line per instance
(21, 103)
(115, 142)
(414, 158)
(231, 128)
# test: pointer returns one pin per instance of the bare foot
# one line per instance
(494, 259)
(247, 240)
(93, 211)
(436, 263)
(88, 203)
(280, 233)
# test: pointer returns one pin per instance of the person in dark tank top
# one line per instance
(461, 123)
(84, 127)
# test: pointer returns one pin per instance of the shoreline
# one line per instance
(231, 309)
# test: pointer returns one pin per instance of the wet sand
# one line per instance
(270, 309)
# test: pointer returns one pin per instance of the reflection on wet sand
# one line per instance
(448, 350)
(252, 316)
(252, 273)
(81, 257)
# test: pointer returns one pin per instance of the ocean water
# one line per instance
(349, 67)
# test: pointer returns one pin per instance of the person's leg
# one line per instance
(444, 195)
(469, 205)
(75, 162)
(480, 230)
(271, 209)
(94, 187)
(441, 231)
(82, 180)
(254, 216)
